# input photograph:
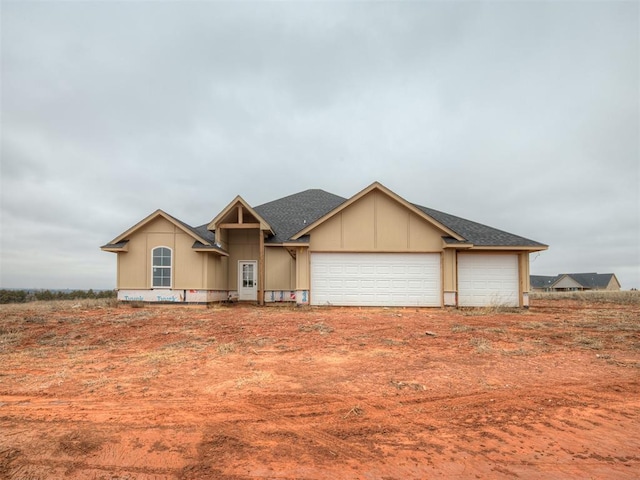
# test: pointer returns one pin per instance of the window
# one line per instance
(161, 270)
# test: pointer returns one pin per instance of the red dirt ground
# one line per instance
(242, 392)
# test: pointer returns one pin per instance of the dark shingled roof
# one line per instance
(586, 280)
(115, 245)
(542, 281)
(202, 231)
(476, 233)
(288, 215)
(592, 280)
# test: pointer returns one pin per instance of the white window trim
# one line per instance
(169, 267)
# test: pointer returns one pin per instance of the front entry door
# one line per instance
(248, 280)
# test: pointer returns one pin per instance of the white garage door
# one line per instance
(375, 279)
(488, 280)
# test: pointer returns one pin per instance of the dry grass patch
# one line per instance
(588, 342)
(482, 345)
(490, 310)
(535, 325)
(461, 328)
(39, 307)
(319, 327)
(96, 383)
(519, 352)
(226, 348)
(591, 296)
(9, 337)
(52, 339)
(496, 330)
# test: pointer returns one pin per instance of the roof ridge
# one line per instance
(296, 194)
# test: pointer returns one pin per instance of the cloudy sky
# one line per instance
(523, 116)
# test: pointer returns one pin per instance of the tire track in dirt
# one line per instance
(494, 424)
(284, 414)
(285, 410)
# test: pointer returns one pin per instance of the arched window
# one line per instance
(161, 267)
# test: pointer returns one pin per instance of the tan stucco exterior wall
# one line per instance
(523, 268)
(302, 269)
(216, 272)
(280, 269)
(134, 266)
(376, 223)
(189, 267)
(449, 270)
(222, 277)
(524, 279)
(613, 285)
(567, 282)
(242, 244)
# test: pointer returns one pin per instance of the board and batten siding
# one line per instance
(280, 269)
(376, 222)
(190, 270)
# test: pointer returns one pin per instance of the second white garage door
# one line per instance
(486, 280)
(376, 279)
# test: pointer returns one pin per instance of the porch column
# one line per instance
(261, 275)
(302, 276)
(449, 277)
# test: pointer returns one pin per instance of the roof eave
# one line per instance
(205, 249)
(458, 246)
(528, 248)
(108, 248)
(215, 248)
(288, 244)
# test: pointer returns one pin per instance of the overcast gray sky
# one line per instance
(523, 116)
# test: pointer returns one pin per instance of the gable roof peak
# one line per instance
(394, 196)
(264, 225)
(197, 235)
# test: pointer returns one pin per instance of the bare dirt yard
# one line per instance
(92, 390)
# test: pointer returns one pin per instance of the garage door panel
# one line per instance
(488, 280)
(375, 279)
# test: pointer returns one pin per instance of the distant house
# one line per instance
(572, 282)
(317, 248)
(542, 283)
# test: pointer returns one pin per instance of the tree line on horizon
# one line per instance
(25, 296)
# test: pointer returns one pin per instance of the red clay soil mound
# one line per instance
(241, 392)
